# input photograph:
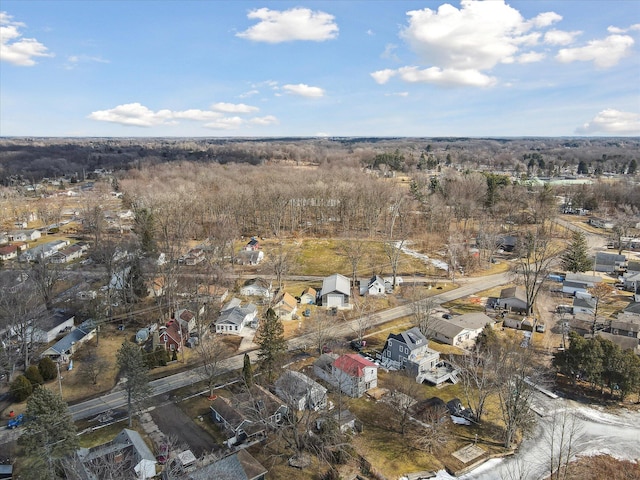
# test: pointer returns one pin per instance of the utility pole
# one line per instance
(59, 378)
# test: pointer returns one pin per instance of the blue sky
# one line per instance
(339, 68)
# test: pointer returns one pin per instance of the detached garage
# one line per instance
(336, 291)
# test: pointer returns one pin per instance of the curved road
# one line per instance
(115, 400)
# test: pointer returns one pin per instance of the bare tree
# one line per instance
(17, 311)
(431, 429)
(45, 276)
(92, 366)
(536, 254)
(599, 292)
(363, 309)
(560, 436)
(211, 350)
(421, 310)
(477, 373)
(393, 251)
(403, 389)
(281, 261)
(321, 327)
(353, 249)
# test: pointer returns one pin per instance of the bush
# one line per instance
(174, 357)
(48, 369)
(162, 356)
(21, 388)
(33, 375)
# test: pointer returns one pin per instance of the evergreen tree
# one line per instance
(133, 368)
(48, 369)
(20, 388)
(49, 435)
(270, 339)
(576, 257)
(582, 168)
(247, 371)
(633, 167)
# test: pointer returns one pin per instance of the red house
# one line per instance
(173, 337)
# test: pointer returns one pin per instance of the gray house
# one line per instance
(576, 283)
(336, 291)
(127, 447)
(300, 392)
(240, 465)
(513, 299)
(234, 317)
(609, 262)
(410, 350)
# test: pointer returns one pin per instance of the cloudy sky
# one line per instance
(337, 68)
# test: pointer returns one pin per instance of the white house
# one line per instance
(336, 291)
(375, 286)
(257, 287)
(233, 317)
(461, 329)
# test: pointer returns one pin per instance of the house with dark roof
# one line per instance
(49, 324)
(626, 325)
(609, 262)
(8, 252)
(579, 283)
(625, 343)
(66, 346)
(584, 304)
(127, 453)
(252, 245)
(240, 465)
(172, 336)
(410, 350)
(246, 417)
(513, 299)
(301, 392)
(336, 291)
(351, 373)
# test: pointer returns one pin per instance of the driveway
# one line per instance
(173, 421)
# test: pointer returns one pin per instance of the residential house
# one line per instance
(8, 252)
(67, 254)
(520, 323)
(250, 257)
(193, 257)
(4, 239)
(603, 223)
(344, 419)
(625, 343)
(127, 449)
(240, 465)
(44, 251)
(246, 417)
(66, 346)
(584, 304)
(172, 336)
(461, 329)
(257, 287)
(252, 245)
(187, 319)
(234, 317)
(351, 373)
(609, 262)
(285, 306)
(336, 291)
(17, 236)
(626, 325)
(508, 242)
(513, 299)
(375, 286)
(632, 308)
(631, 281)
(579, 283)
(410, 350)
(308, 296)
(48, 325)
(301, 392)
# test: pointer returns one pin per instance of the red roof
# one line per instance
(353, 364)
(8, 249)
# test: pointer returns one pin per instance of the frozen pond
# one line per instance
(616, 434)
(425, 258)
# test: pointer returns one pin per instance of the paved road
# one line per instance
(115, 400)
(595, 241)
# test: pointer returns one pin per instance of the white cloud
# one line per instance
(530, 57)
(233, 108)
(16, 50)
(74, 60)
(383, 76)
(250, 93)
(268, 120)
(545, 19)
(276, 26)
(226, 123)
(303, 90)
(389, 52)
(612, 29)
(397, 94)
(138, 115)
(611, 121)
(560, 37)
(603, 53)
(446, 77)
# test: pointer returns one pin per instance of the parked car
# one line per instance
(447, 316)
(358, 345)
(307, 313)
(16, 422)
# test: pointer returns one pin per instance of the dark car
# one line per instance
(358, 345)
(447, 316)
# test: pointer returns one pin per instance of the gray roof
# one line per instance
(336, 283)
(64, 345)
(50, 320)
(473, 320)
(236, 314)
(412, 338)
(127, 436)
(633, 307)
(584, 302)
(296, 385)
(581, 277)
(623, 341)
(514, 292)
(237, 466)
(604, 258)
